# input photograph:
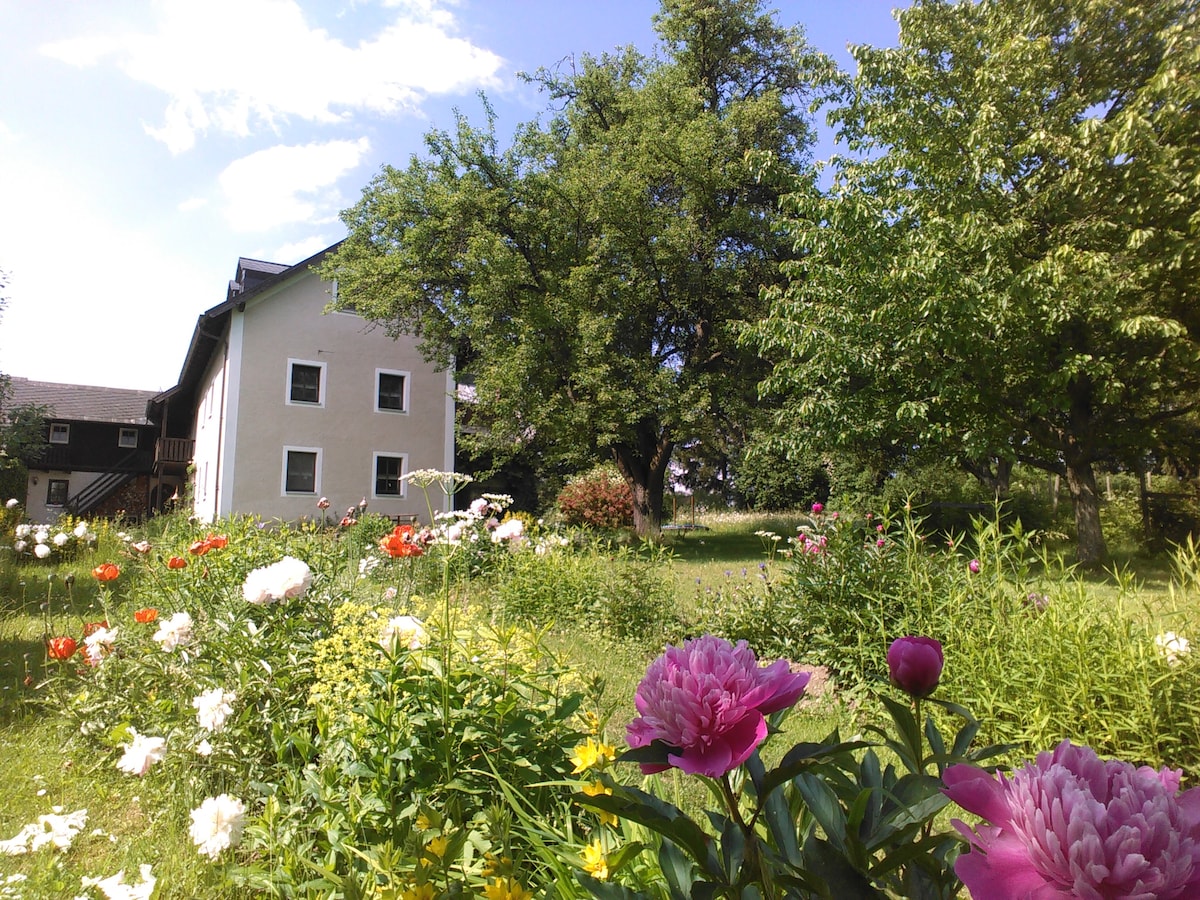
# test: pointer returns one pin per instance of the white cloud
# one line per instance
(192, 203)
(298, 251)
(286, 184)
(237, 65)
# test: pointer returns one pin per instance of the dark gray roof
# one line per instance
(83, 401)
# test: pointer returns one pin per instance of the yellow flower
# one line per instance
(594, 860)
(424, 823)
(591, 754)
(493, 865)
(419, 892)
(506, 889)
(595, 789)
(438, 846)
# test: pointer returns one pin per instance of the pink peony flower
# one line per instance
(915, 665)
(706, 703)
(1074, 825)
(973, 567)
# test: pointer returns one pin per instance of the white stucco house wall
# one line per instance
(286, 404)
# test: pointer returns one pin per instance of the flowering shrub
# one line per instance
(598, 499)
(54, 543)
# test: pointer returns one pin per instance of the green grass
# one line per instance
(39, 756)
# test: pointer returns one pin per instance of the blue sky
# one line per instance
(145, 146)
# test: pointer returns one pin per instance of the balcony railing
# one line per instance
(173, 450)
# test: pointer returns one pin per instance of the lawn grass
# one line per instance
(42, 768)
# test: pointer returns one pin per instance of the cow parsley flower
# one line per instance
(1074, 825)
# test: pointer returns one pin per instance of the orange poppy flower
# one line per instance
(199, 548)
(61, 648)
(400, 543)
(176, 562)
(90, 628)
(142, 616)
(217, 541)
(106, 572)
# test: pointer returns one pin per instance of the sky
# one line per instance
(145, 145)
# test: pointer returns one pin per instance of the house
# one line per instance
(282, 403)
(99, 454)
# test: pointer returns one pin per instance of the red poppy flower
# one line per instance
(176, 562)
(400, 543)
(106, 572)
(217, 541)
(61, 648)
(199, 548)
(347, 521)
(142, 616)
(90, 628)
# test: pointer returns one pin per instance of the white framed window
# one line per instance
(387, 471)
(301, 470)
(128, 438)
(60, 433)
(391, 391)
(57, 491)
(305, 383)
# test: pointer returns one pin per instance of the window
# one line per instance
(306, 383)
(391, 391)
(56, 492)
(388, 469)
(60, 433)
(128, 438)
(301, 468)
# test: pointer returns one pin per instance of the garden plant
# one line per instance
(364, 710)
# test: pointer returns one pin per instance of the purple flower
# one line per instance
(705, 703)
(973, 567)
(915, 665)
(1074, 825)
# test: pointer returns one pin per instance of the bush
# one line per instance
(598, 499)
(769, 481)
(1028, 648)
(624, 595)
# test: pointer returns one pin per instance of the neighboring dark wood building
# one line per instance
(102, 453)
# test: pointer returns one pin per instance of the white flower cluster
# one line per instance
(283, 580)
(1172, 646)
(213, 707)
(403, 631)
(217, 824)
(37, 539)
(174, 632)
(141, 753)
(116, 888)
(56, 829)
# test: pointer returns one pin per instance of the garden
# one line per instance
(850, 704)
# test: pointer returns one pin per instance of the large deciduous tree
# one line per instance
(592, 275)
(1004, 266)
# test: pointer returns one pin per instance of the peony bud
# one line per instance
(915, 665)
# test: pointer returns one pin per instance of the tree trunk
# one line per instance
(645, 471)
(1089, 538)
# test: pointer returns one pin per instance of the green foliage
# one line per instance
(414, 743)
(599, 498)
(1002, 264)
(621, 595)
(595, 271)
(767, 480)
(1027, 645)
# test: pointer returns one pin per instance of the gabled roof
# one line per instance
(254, 277)
(83, 402)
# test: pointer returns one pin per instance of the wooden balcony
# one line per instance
(173, 451)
